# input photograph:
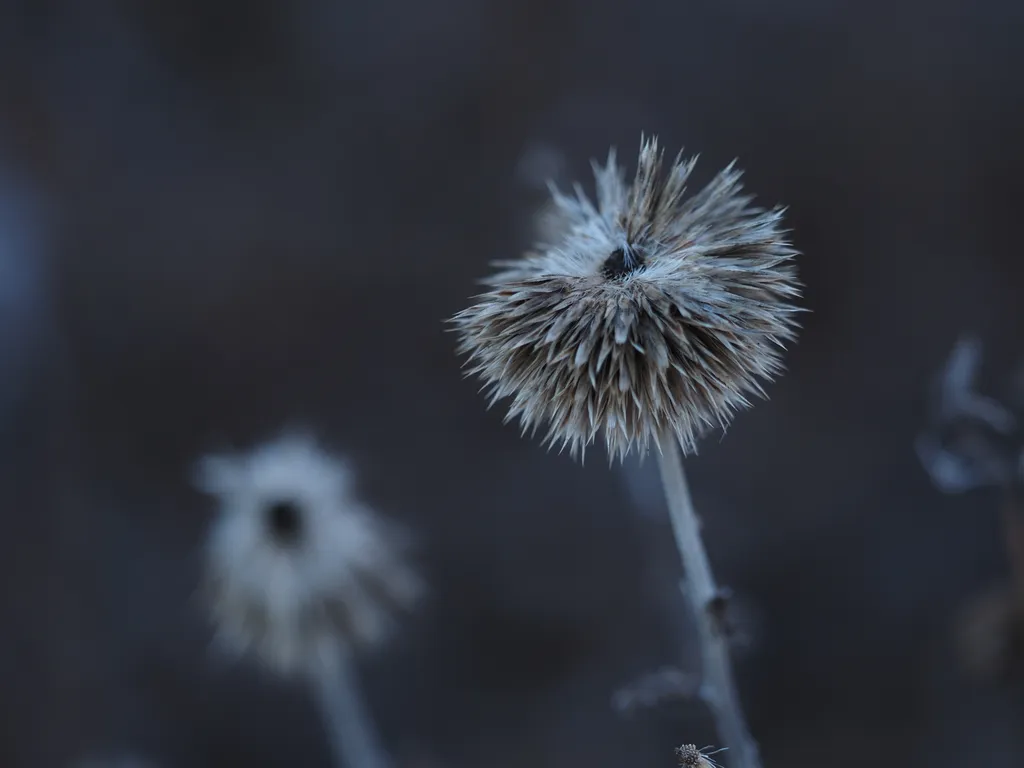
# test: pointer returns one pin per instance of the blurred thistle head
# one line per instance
(690, 756)
(654, 312)
(297, 569)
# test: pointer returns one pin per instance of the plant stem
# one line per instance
(350, 729)
(719, 687)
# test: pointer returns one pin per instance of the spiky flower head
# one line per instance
(689, 756)
(297, 569)
(656, 312)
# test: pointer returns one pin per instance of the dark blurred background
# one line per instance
(218, 217)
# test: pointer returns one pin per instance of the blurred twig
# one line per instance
(656, 688)
(973, 442)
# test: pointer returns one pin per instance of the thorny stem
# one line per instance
(350, 729)
(719, 686)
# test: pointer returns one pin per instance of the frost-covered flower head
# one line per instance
(297, 569)
(655, 312)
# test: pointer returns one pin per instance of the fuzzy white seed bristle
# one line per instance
(655, 311)
(298, 570)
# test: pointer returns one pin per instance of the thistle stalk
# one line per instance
(718, 688)
(350, 729)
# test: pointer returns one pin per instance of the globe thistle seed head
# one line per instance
(656, 311)
(689, 756)
(297, 569)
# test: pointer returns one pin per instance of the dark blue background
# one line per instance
(220, 216)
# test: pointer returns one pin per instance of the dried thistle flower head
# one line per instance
(297, 569)
(690, 756)
(655, 312)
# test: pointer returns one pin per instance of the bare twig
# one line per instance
(719, 686)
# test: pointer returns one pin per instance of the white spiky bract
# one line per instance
(655, 312)
(333, 583)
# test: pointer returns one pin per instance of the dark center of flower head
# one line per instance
(622, 262)
(284, 520)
